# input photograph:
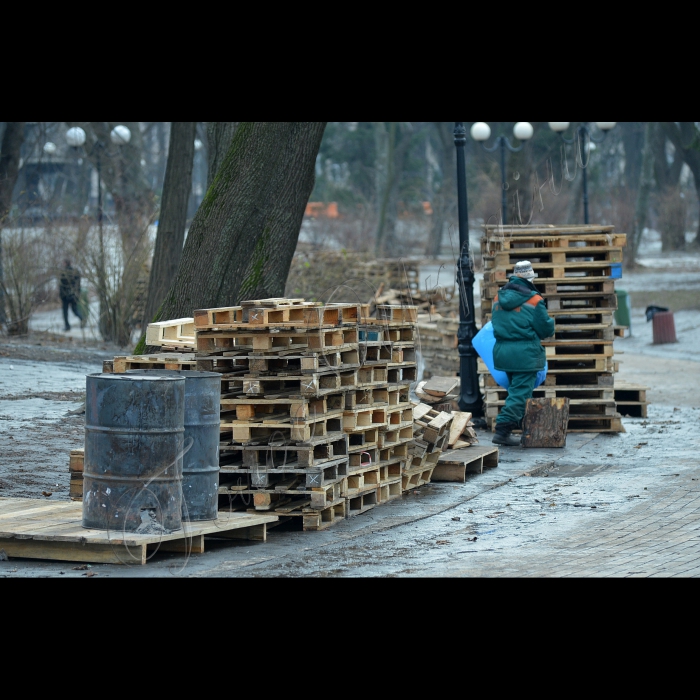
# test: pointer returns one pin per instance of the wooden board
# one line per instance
(440, 386)
(545, 422)
(40, 529)
(460, 420)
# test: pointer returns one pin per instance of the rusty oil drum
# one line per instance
(200, 469)
(134, 433)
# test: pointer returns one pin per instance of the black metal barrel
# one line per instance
(200, 469)
(134, 433)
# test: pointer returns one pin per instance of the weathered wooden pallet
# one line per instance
(364, 458)
(329, 472)
(277, 453)
(454, 465)
(233, 363)
(422, 462)
(579, 408)
(287, 494)
(400, 416)
(176, 361)
(297, 431)
(40, 529)
(506, 259)
(261, 410)
(311, 519)
(300, 315)
(631, 399)
(309, 385)
(176, 333)
(220, 341)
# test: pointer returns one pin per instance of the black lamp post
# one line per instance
(522, 131)
(583, 133)
(469, 394)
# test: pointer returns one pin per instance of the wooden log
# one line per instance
(545, 422)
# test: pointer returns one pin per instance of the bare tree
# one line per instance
(646, 180)
(243, 236)
(12, 140)
(173, 216)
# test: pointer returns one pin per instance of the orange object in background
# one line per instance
(322, 209)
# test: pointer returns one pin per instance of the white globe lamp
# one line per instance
(480, 131)
(50, 148)
(75, 136)
(120, 135)
(523, 131)
(605, 126)
(558, 126)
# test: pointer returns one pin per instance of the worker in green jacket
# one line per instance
(520, 321)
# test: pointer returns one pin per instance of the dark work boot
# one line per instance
(504, 436)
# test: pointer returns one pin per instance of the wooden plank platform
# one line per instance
(454, 465)
(40, 529)
(176, 333)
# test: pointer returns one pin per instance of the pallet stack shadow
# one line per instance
(577, 267)
(315, 410)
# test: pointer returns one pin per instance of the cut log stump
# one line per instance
(545, 422)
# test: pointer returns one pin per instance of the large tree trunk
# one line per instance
(12, 140)
(243, 237)
(219, 137)
(173, 216)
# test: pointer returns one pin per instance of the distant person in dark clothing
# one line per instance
(69, 291)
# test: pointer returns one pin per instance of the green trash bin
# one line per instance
(624, 310)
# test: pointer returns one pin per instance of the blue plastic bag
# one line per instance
(483, 343)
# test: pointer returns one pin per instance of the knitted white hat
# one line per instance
(524, 269)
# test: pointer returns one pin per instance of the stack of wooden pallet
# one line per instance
(576, 267)
(315, 412)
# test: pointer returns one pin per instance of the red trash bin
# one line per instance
(663, 327)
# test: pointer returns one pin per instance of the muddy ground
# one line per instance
(42, 382)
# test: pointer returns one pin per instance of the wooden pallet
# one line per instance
(176, 361)
(218, 342)
(308, 385)
(232, 478)
(507, 259)
(176, 333)
(283, 428)
(311, 519)
(415, 478)
(295, 408)
(454, 465)
(40, 529)
(631, 399)
(278, 453)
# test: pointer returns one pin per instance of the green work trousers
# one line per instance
(519, 391)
